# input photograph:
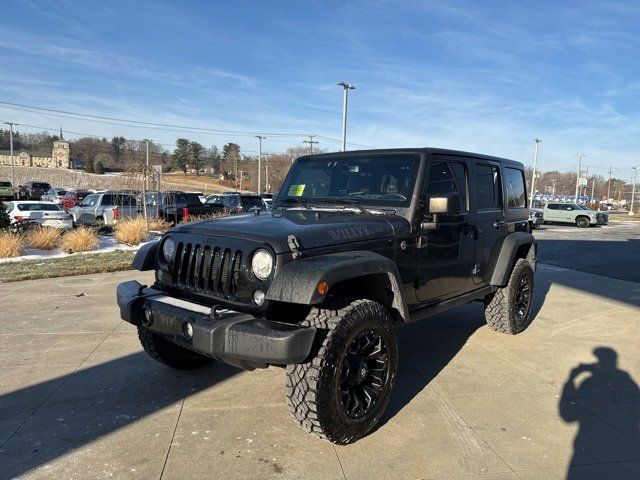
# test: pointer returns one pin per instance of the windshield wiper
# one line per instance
(346, 201)
(295, 200)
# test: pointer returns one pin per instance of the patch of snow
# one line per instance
(106, 244)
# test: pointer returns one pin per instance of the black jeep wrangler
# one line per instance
(357, 244)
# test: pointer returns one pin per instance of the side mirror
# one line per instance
(446, 204)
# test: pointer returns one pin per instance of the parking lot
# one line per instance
(79, 398)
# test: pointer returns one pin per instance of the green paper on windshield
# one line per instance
(296, 190)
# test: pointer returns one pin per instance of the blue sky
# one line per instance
(480, 76)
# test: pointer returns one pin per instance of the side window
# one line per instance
(488, 186)
(107, 200)
(514, 181)
(448, 177)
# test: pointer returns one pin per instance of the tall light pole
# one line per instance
(346, 87)
(260, 138)
(633, 188)
(533, 176)
(13, 168)
(579, 173)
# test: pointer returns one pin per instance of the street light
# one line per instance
(13, 168)
(533, 177)
(346, 87)
(633, 188)
(579, 173)
(260, 138)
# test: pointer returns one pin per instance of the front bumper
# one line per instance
(232, 337)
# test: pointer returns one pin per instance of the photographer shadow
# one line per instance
(606, 406)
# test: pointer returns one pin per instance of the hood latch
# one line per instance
(294, 246)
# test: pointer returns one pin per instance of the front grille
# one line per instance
(538, 215)
(206, 269)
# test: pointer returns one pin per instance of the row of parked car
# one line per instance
(573, 213)
(57, 207)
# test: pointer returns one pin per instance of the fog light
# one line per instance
(187, 329)
(258, 297)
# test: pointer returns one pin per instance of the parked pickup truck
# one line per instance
(572, 213)
(101, 207)
(175, 206)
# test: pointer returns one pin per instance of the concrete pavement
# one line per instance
(79, 398)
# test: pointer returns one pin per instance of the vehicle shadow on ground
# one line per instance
(605, 402)
(427, 347)
(91, 403)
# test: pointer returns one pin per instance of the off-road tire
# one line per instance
(582, 222)
(169, 353)
(499, 307)
(313, 395)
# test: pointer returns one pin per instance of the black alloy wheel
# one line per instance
(365, 372)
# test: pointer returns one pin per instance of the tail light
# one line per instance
(185, 212)
(19, 218)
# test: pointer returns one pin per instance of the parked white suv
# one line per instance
(46, 214)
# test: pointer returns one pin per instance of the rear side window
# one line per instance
(107, 200)
(43, 186)
(489, 188)
(449, 177)
(249, 201)
(5, 184)
(38, 207)
(514, 181)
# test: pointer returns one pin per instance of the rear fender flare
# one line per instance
(507, 257)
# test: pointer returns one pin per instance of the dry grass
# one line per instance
(131, 231)
(81, 239)
(158, 225)
(11, 245)
(44, 238)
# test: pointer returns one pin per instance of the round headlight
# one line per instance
(262, 264)
(168, 249)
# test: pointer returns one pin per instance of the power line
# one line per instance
(150, 125)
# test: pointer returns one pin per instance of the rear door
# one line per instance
(446, 258)
(490, 218)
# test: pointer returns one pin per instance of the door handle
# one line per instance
(499, 223)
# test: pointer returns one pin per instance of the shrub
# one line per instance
(10, 245)
(44, 238)
(81, 239)
(131, 231)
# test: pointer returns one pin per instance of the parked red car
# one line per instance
(73, 198)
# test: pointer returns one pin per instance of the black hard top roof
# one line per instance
(423, 150)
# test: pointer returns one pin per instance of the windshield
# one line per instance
(384, 180)
(38, 207)
(42, 186)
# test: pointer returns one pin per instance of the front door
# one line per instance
(446, 256)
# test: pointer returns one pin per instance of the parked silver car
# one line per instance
(105, 207)
(54, 195)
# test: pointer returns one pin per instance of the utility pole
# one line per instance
(346, 87)
(553, 183)
(260, 138)
(13, 168)
(266, 172)
(593, 188)
(145, 185)
(633, 188)
(241, 172)
(533, 176)
(609, 185)
(310, 142)
(579, 173)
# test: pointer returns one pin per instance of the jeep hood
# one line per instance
(313, 229)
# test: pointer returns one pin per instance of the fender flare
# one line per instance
(145, 258)
(506, 258)
(296, 281)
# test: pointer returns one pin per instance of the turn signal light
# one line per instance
(322, 288)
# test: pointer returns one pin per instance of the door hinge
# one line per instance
(476, 269)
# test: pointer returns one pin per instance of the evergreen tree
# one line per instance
(99, 168)
(89, 166)
(5, 221)
(196, 155)
(181, 154)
